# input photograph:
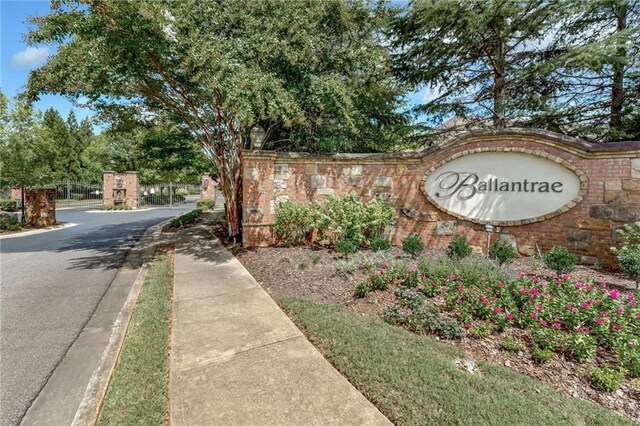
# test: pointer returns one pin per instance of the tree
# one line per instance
(596, 59)
(222, 68)
(25, 148)
(478, 56)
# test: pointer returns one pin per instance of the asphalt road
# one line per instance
(50, 285)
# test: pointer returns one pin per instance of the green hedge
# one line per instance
(186, 219)
(206, 204)
(8, 205)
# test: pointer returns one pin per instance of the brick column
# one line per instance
(208, 187)
(121, 188)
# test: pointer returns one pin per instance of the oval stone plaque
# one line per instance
(502, 188)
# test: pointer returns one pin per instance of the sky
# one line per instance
(18, 58)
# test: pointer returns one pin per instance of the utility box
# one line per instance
(40, 207)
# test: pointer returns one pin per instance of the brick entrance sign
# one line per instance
(531, 188)
(121, 189)
(40, 207)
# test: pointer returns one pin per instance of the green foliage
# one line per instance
(482, 331)
(629, 260)
(511, 345)
(206, 204)
(413, 245)
(629, 357)
(581, 346)
(459, 248)
(116, 207)
(541, 355)
(560, 260)
(294, 223)
(502, 252)
(607, 379)
(8, 205)
(379, 244)
(418, 318)
(346, 246)
(362, 289)
(9, 223)
(185, 219)
(629, 235)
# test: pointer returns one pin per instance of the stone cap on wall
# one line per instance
(567, 143)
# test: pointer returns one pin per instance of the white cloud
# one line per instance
(30, 57)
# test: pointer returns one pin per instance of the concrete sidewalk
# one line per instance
(236, 358)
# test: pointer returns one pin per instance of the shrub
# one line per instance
(379, 244)
(541, 355)
(8, 205)
(116, 207)
(482, 331)
(581, 346)
(363, 289)
(185, 219)
(423, 319)
(9, 223)
(560, 260)
(459, 248)
(206, 204)
(607, 379)
(545, 339)
(629, 260)
(161, 199)
(511, 345)
(629, 235)
(412, 244)
(629, 357)
(346, 246)
(502, 252)
(293, 223)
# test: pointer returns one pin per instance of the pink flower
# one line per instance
(460, 300)
(564, 276)
(630, 297)
(620, 311)
(617, 327)
(589, 287)
(534, 314)
(540, 307)
(638, 317)
(558, 282)
(585, 305)
(632, 304)
(578, 286)
(469, 326)
(574, 310)
(535, 279)
(603, 313)
(510, 317)
(522, 274)
(567, 307)
(497, 310)
(602, 283)
(598, 320)
(523, 291)
(557, 325)
(633, 343)
(500, 285)
(614, 293)
(543, 322)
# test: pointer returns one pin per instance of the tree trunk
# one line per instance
(499, 86)
(617, 89)
(22, 219)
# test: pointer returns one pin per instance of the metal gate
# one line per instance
(168, 194)
(71, 193)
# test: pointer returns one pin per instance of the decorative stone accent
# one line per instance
(311, 169)
(579, 235)
(615, 197)
(280, 184)
(613, 185)
(601, 211)
(526, 250)
(357, 181)
(251, 173)
(356, 170)
(446, 227)
(594, 224)
(384, 181)
(401, 169)
(326, 191)
(625, 213)
(631, 185)
(509, 239)
(635, 168)
(588, 260)
(281, 172)
(282, 199)
(318, 181)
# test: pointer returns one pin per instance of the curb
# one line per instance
(37, 231)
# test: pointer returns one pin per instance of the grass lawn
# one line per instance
(137, 393)
(412, 379)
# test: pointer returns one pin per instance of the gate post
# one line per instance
(121, 188)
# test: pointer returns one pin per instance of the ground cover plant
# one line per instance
(137, 393)
(185, 219)
(206, 204)
(414, 380)
(116, 207)
(9, 223)
(8, 205)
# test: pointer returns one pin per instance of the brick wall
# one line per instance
(609, 173)
(121, 188)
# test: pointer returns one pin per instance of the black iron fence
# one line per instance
(168, 194)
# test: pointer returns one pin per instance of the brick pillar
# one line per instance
(40, 207)
(208, 187)
(16, 194)
(121, 188)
